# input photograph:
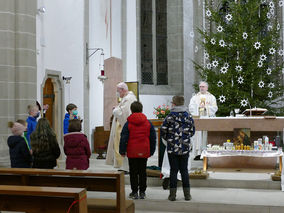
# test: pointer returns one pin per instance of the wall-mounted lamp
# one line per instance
(41, 10)
(102, 77)
(67, 79)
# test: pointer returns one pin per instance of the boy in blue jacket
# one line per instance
(71, 114)
(177, 129)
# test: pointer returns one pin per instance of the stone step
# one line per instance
(215, 182)
(207, 200)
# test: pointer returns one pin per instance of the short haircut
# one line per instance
(178, 100)
(136, 106)
(32, 107)
(123, 86)
(203, 82)
(70, 107)
(75, 125)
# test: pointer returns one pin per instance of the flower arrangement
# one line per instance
(161, 111)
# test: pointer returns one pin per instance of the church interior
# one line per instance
(205, 76)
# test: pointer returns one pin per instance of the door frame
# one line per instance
(59, 109)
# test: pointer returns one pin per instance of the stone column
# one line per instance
(18, 74)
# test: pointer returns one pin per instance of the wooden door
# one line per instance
(48, 98)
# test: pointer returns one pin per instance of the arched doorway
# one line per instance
(48, 98)
(52, 93)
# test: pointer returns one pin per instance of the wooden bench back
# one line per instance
(42, 199)
(93, 181)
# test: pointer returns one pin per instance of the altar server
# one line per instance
(202, 104)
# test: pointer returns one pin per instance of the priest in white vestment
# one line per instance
(202, 104)
(120, 115)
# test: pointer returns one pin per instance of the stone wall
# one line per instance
(18, 74)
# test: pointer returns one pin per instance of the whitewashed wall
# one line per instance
(60, 45)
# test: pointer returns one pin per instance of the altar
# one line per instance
(222, 128)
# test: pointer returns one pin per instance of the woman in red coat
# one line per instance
(76, 147)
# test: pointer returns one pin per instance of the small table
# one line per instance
(248, 153)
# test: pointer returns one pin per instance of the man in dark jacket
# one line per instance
(177, 129)
(138, 140)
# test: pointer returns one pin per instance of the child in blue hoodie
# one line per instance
(34, 113)
(71, 114)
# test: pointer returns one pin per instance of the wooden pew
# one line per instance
(34, 199)
(106, 181)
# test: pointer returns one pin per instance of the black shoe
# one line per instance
(142, 195)
(197, 157)
(133, 195)
(166, 183)
(125, 172)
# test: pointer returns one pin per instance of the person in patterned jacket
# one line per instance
(177, 129)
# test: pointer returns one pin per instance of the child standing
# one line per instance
(20, 155)
(71, 114)
(177, 129)
(34, 113)
(76, 147)
(44, 146)
(138, 141)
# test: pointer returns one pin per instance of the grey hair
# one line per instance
(123, 86)
(204, 82)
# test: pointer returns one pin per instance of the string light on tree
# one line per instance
(215, 63)
(220, 29)
(261, 84)
(270, 94)
(240, 80)
(239, 68)
(263, 57)
(245, 35)
(257, 45)
(222, 43)
(244, 103)
(268, 71)
(222, 98)
(271, 51)
(220, 83)
(228, 17)
(224, 70)
(259, 64)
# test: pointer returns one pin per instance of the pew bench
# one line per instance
(34, 199)
(105, 181)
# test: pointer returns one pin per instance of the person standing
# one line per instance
(76, 147)
(44, 146)
(20, 155)
(202, 104)
(34, 113)
(177, 129)
(120, 115)
(71, 114)
(138, 142)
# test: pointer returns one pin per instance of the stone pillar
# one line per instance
(192, 18)
(113, 70)
(18, 74)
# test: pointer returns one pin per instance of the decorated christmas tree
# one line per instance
(243, 54)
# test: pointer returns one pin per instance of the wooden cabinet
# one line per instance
(100, 138)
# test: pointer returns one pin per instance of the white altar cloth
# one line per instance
(249, 153)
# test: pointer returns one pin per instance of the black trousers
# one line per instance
(178, 163)
(137, 172)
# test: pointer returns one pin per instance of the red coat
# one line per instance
(77, 150)
(138, 145)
